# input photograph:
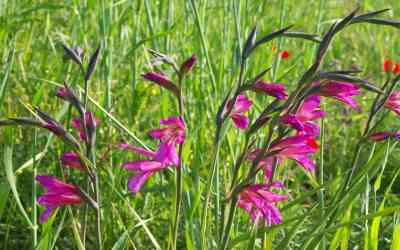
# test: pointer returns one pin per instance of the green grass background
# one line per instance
(31, 33)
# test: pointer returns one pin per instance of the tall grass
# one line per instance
(316, 216)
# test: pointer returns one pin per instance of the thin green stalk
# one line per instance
(232, 210)
(34, 192)
(203, 229)
(179, 177)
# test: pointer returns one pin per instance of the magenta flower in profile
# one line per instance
(393, 102)
(58, 194)
(162, 80)
(380, 136)
(276, 90)
(188, 64)
(241, 105)
(174, 132)
(165, 156)
(260, 203)
(303, 120)
(298, 148)
(341, 91)
(71, 159)
(91, 124)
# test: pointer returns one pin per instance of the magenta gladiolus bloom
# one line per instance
(174, 132)
(276, 90)
(341, 91)
(165, 156)
(380, 136)
(241, 105)
(188, 64)
(58, 194)
(393, 102)
(298, 148)
(260, 203)
(62, 93)
(91, 123)
(303, 120)
(162, 80)
(71, 159)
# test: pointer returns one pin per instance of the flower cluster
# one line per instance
(165, 156)
(391, 67)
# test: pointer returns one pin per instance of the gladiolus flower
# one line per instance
(260, 203)
(174, 131)
(303, 120)
(58, 194)
(387, 65)
(241, 105)
(276, 90)
(162, 80)
(298, 148)
(165, 156)
(71, 159)
(380, 136)
(284, 54)
(188, 64)
(393, 102)
(91, 124)
(341, 91)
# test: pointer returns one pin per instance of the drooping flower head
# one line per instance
(341, 91)
(173, 132)
(58, 194)
(298, 148)
(393, 102)
(241, 105)
(260, 203)
(161, 80)
(71, 159)
(91, 124)
(164, 157)
(303, 120)
(276, 90)
(380, 136)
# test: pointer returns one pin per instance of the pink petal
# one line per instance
(240, 121)
(143, 165)
(137, 181)
(166, 154)
(242, 104)
(138, 150)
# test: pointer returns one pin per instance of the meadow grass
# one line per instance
(314, 217)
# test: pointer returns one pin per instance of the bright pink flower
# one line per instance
(303, 120)
(188, 64)
(380, 136)
(161, 80)
(393, 102)
(174, 131)
(341, 91)
(298, 148)
(284, 54)
(58, 194)
(71, 159)
(165, 156)
(241, 105)
(276, 90)
(62, 93)
(91, 124)
(260, 203)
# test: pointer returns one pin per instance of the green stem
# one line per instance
(232, 210)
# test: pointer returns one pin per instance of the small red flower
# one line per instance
(396, 68)
(387, 65)
(284, 54)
